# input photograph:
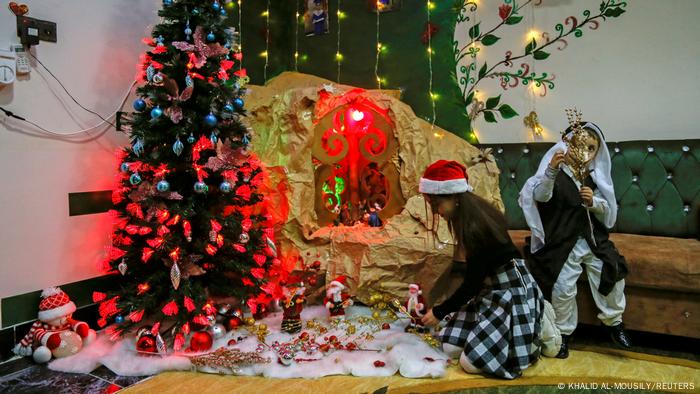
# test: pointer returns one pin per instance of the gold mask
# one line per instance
(582, 144)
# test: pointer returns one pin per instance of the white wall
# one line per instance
(635, 76)
(99, 42)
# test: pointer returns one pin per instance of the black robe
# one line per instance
(565, 220)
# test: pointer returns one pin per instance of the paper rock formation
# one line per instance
(284, 115)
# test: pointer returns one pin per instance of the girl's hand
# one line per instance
(587, 196)
(429, 319)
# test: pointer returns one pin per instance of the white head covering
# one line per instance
(600, 173)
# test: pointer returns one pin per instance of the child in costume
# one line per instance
(569, 223)
(497, 331)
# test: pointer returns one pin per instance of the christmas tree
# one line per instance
(190, 225)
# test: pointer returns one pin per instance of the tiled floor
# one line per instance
(22, 376)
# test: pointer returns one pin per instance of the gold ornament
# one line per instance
(531, 121)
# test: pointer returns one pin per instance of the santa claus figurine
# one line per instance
(55, 333)
(292, 305)
(415, 305)
(336, 300)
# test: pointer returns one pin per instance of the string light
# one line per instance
(296, 38)
(240, 32)
(379, 50)
(338, 55)
(429, 7)
(266, 14)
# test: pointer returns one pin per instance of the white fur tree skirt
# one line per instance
(400, 352)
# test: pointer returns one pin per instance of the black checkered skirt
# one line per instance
(499, 329)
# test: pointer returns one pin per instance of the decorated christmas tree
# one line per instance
(190, 226)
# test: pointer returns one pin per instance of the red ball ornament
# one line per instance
(351, 346)
(386, 326)
(232, 342)
(379, 364)
(201, 341)
(146, 344)
(233, 323)
(304, 336)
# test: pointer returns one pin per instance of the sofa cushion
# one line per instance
(655, 262)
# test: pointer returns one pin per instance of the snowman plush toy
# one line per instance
(55, 333)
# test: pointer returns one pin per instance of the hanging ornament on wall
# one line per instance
(163, 186)
(175, 276)
(533, 123)
(178, 147)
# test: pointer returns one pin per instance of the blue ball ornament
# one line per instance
(223, 12)
(135, 179)
(211, 36)
(139, 104)
(190, 139)
(216, 6)
(195, 11)
(156, 112)
(210, 120)
(124, 167)
(239, 103)
(167, 3)
(163, 186)
(188, 31)
(200, 187)
(225, 187)
(119, 319)
(228, 108)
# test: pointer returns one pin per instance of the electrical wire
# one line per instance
(67, 92)
(71, 133)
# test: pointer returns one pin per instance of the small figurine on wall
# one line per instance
(316, 18)
(374, 219)
(55, 333)
(336, 300)
(415, 305)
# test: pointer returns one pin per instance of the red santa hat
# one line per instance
(54, 304)
(416, 287)
(445, 177)
(339, 282)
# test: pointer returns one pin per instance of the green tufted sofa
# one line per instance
(657, 185)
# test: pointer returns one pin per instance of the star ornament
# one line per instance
(200, 48)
